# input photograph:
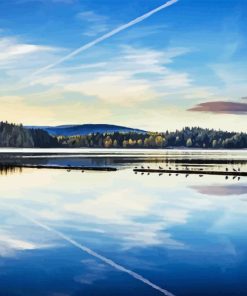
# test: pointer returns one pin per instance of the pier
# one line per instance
(191, 172)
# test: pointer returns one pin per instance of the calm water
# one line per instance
(186, 235)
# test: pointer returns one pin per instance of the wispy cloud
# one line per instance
(15, 54)
(11, 49)
(115, 88)
(18, 58)
(230, 73)
(125, 79)
(106, 36)
(222, 107)
(97, 23)
(232, 38)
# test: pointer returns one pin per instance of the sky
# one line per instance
(186, 65)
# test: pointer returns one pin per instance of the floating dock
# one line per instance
(192, 172)
(69, 168)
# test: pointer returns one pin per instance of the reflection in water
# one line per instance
(222, 190)
(186, 235)
(100, 257)
(122, 157)
(7, 169)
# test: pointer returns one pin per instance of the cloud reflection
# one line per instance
(94, 271)
(10, 245)
(222, 190)
(128, 209)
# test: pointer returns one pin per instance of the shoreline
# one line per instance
(117, 151)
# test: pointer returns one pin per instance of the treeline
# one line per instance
(187, 137)
(12, 135)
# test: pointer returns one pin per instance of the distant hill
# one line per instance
(84, 129)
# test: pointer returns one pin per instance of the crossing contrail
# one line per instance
(95, 254)
(105, 36)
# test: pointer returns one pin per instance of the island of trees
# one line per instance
(12, 135)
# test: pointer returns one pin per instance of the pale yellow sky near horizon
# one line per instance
(153, 120)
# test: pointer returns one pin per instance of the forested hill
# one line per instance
(12, 135)
(85, 129)
(187, 137)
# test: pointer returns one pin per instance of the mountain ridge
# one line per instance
(84, 129)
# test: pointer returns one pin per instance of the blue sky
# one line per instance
(184, 66)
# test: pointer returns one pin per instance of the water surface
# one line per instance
(185, 235)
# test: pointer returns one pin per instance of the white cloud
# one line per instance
(176, 80)
(17, 61)
(97, 23)
(91, 16)
(49, 80)
(137, 75)
(11, 49)
(107, 91)
(115, 88)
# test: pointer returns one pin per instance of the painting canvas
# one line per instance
(123, 147)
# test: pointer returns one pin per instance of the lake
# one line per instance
(122, 233)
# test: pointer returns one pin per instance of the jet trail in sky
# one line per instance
(106, 36)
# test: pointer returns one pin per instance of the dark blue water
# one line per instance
(186, 235)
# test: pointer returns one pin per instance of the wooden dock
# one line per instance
(192, 172)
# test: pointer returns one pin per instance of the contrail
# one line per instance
(106, 36)
(98, 256)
